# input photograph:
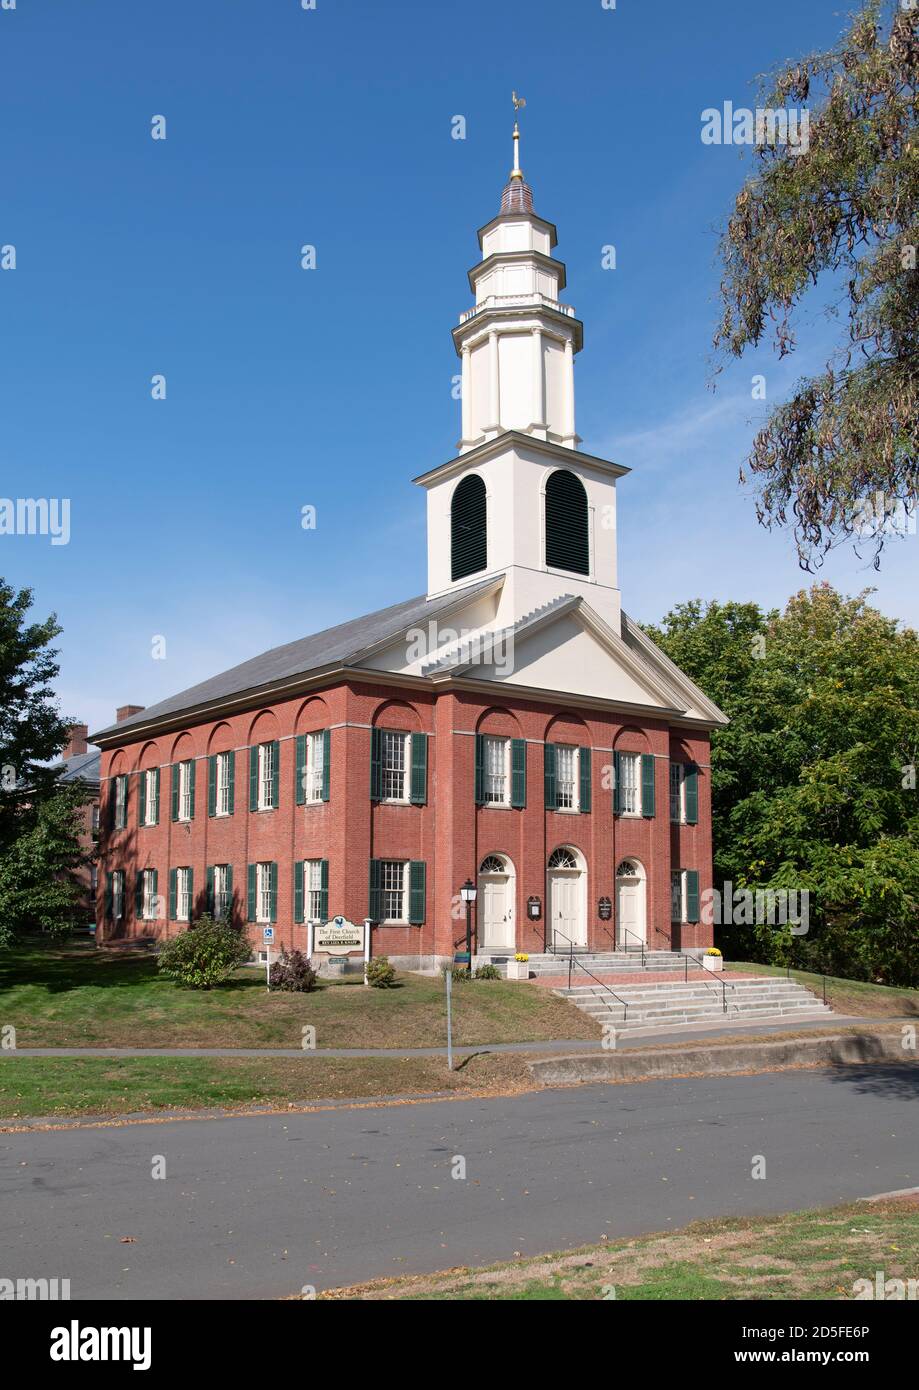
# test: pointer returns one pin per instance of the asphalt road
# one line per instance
(258, 1207)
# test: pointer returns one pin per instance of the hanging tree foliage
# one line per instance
(844, 210)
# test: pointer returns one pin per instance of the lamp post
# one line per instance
(468, 895)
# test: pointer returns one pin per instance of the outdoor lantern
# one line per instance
(468, 891)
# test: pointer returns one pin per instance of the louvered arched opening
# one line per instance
(567, 531)
(468, 528)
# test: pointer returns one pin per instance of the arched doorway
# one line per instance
(497, 883)
(631, 906)
(567, 899)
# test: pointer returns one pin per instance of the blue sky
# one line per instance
(332, 387)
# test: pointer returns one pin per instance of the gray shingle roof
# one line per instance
(83, 767)
(332, 647)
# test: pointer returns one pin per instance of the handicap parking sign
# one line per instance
(268, 933)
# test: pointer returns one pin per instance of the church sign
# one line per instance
(338, 937)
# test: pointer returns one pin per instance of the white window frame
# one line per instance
(185, 791)
(678, 793)
(394, 869)
(223, 784)
(630, 784)
(395, 741)
(312, 889)
(117, 894)
(263, 892)
(266, 777)
(93, 877)
(183, 895)
(121, 801)
(94, 819)
(221, 895)
(148, 900)
(315, 752)
(150, 796)
(572, 780)
(496, 784)
(678, 875)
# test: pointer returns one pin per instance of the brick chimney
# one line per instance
(76, 743)
(125, 712)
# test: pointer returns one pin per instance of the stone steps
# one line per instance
(600, 962)
(673, 1003)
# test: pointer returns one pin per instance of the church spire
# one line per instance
(517, 195)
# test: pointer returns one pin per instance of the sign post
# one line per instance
(448, 981)
(268, 937)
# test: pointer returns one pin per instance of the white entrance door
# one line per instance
(566, 909)
(630, 910)
(496, 895)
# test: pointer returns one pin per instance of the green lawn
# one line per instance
(79, 995)
(846, 996)
(804, 1255)
(57, 1086)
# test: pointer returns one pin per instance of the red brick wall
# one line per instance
(450, 833)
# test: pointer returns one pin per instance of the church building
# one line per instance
(511, 728)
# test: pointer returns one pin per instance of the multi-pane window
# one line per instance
(315, 765)
(393, 882)
(677, 897)
(313, 874)
(149, 793)
(183, 895)
(148, 896)
(630, 784)
(223, 784)
(677, 812)
(496, 770)
(121, 802)
(221, 891)
(395, 766)
(566, 777)
(185, 790)
(94, 820)
(118, 894)
(266, 769)
(263, 889)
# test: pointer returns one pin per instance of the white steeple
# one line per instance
(517, 343)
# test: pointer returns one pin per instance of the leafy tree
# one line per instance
(841, 457)
(39, 826)
(814, 780)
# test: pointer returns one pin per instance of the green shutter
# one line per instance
(479, 769)
(191, 788)
(231, 781)
(324, 890)
(191, 895)
(156, 796)
(691, 794)
(109, 898)
(647, 785)
(300, 772)
(173, 894)
(416, 885)
(175, 791)
(468, 528)
(518, 773)
(272, 892)
(617, 784)
(549, 762)
(692, 895)
(250, 904)
(156, 891)
(229, 869)
(211, 904)
(139, 894)
(275, 775)
(141, 797)
(584, 757)
(124, 810)
(326, 762)
(212, 785)
(419, 782)
(253, 780)
(375, 896)
(567, 523)
(298, 890)
(376, 764)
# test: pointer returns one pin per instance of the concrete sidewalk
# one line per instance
(631, 1040)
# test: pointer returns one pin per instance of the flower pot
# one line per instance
(713, 962)
(518, 969)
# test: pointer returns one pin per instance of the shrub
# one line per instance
(380, 973)
(292, 971)
(488, 972)
(205, 954)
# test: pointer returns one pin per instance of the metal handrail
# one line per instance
(719, 981)
(572, 960)
(823, 978)
(625, 931)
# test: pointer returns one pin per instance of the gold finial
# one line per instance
(517, 172)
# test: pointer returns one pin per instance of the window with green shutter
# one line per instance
(251, 894)
(584, 789)
(518, 773)
(300, 770)
(647, 785)
(692, 895)
(549, 776)
(376, 764)
(416, 891)
(326, 762)
(375, 893)
(468, 527)
(479, 770)
(419, 782)
(253, 781)
(173, 891)
(567, 523)
(212, 785)
(691, 794)
(298, 890)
